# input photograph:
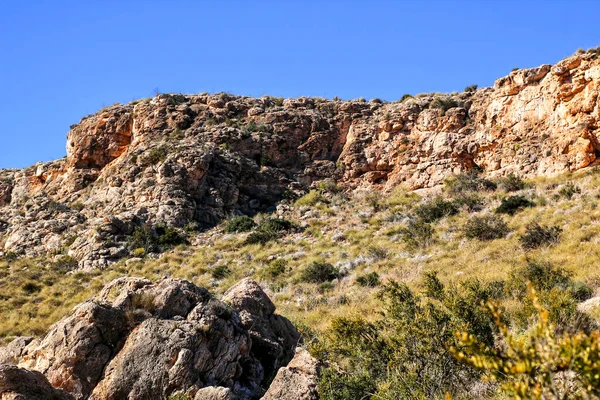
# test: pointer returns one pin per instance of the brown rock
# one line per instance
(12, 353)
(297, 381)
(215, 393)
(21, 384)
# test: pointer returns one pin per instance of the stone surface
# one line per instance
(21, 384)
(297, 381)
(179, 159)
(142, 340)
(14, 351)
(274, 338)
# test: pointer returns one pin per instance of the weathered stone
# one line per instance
(13, 352)
(179, 159)
(21, 384)
(297, 381)
(142, 340)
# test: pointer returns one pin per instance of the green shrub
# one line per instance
(319, 272)
(157, 239)
(31, 287)
(417, 234)
(433, 287)
(511, 204)
(143, 237)
(168, 237)
(530, 369)
(368, 280)
(276, 268)
(139, 252)
(276, 225)
(542, 276)
(557, 291)
(468, 182)
(487, 227)
(241, 223)
(568, 190)
(259, 237)
(401, 355)
(435, 209)
(537, 235)
(156, 155)
(512, 183)
(471, 201)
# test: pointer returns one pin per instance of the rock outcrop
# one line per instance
(297, 381)
(20, 384)
(139, 340)
(176, 160)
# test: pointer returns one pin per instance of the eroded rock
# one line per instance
(142, 340)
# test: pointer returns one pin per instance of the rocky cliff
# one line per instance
(192, 160)
(143, 340)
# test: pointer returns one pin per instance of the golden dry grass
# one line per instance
(337, 230)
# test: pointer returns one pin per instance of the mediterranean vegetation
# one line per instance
(483, 288)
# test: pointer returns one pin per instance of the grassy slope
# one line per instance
(357, 231)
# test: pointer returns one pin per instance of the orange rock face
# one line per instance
(176, 159)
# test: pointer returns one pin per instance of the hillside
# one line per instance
(367, 224)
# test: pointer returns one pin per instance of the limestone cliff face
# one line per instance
(176, 159)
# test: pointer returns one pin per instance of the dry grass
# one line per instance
(354, 234)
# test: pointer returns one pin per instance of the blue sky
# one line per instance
(62, 60)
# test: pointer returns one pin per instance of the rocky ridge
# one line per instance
(193, 160)
(142, 340)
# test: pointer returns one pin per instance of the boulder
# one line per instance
(274, 338)
(20, 384)
(142, 340)
(297, 381)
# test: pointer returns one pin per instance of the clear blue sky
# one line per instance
(62, 60)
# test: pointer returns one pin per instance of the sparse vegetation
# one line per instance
(487, 227)
(238, 224)
(319, 272)
(512, 183)
(512, 204)
(537, 235)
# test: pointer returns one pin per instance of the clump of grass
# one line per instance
(276, 268)
(568, 190)
(487, 227)
(537, 235)
(417, 234)
(220, 272)
(368, 280)
(65, 263)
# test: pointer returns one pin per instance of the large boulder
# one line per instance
(274, 338)
(142, 340)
